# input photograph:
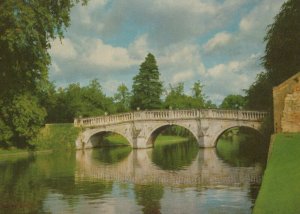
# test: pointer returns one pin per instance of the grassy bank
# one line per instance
(12, 152)
(51, 137)
(56, 137)
(280, 190)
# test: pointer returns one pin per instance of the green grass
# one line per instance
(115, 140)
(56, 137)
(167, 140)
(12, 151)
(280, 190)
(118, 140)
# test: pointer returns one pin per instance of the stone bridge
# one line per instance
(141, 128)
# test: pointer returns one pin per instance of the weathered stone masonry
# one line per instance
(286, 98)
(142, 127)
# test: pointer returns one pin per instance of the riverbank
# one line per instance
(56, 137)
(52, 137)
(280, 190)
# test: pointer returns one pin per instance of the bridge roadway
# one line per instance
(205, 170)
(141, 128)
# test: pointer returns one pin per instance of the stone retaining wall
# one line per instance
(286, 98)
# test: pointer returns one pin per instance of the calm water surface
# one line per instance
(177, 178)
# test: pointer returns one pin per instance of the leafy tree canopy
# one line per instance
(26, 28)
(122, 98)
(75, 101)
(282, 56)
(177, 99)
(259, 95)
(21, 119)
(282, 53)
(233, 101)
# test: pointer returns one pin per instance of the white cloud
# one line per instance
(168, 21)
(56, 68)
(219, 40)
(110, 86)
(139, 48)
(231, 77)
(182, 76)
(180, 63)
(262, 15)
(107, 56)
(63, 49)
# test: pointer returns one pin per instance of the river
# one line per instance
(172, 178)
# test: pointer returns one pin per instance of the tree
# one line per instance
(26, 30)
(233, 101)
(282, 53)
(199, 97)
(147, 88)
(176, 98)
(259, 95)
(122, 98)
(282, 56)
(75, 101)
(23, 117)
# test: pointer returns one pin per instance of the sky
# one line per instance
(218, 42)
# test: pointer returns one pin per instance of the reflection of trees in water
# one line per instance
(111, 155)
(61, 178)
(20, 191)
(242, 148)
(25, 182)
(175, 156)
(149, 197)
(253, 192)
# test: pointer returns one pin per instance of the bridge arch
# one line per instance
(156, 130)
(90, 142)
(224, 129)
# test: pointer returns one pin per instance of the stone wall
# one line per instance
(286, 99)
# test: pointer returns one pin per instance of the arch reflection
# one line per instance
(175, 156)
(242, 147)
(205, 170)
(111, 155)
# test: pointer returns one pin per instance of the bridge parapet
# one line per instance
(170, 115)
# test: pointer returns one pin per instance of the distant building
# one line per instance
(286, 98)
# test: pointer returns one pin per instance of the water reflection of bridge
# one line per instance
(206, 170)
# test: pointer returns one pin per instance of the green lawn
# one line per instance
(115, 140)
(118, 140)
(166, 140)
(280, 190)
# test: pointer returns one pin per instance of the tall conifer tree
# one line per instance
(147, 87)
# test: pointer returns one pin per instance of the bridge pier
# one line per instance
(141, 143)
(206, 142)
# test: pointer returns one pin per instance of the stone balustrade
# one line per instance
(170, 115)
